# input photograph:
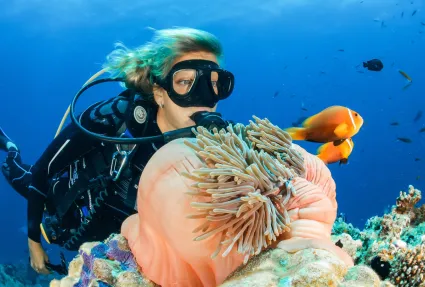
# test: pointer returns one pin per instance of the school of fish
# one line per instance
(334, 126)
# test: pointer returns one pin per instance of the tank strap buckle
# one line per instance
(119, 161)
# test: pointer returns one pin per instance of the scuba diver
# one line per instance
(85, 183)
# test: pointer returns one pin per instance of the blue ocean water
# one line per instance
(286, 58)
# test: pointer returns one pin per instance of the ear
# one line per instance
(158, 94)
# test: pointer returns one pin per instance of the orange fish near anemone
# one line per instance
(331, 153)
(334, 124)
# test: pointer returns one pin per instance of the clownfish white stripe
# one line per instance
(351, 118)
(349, 144)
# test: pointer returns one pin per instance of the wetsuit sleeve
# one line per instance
(105, 118)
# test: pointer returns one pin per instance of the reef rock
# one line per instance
(307, 267)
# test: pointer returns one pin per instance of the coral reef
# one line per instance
(394, 244)
(408, 266)
(108, 263)
(111, 263)
(22, 275)
(307, 267)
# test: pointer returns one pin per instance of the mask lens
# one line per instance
(183, 81)
(223, 85)
(215, 81)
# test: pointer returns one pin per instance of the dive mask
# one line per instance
(197, 83)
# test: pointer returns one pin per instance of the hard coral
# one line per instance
(108, 263)
(347, 243)
(418, 215)
(406, 201)
(393, 245)
(408, 267)
(307, 267)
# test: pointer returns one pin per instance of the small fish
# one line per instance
(418, 116)
(394, 124)
(423, 23)
(405, 140)
(361, 2)
(405, 87)
(422, 130)
(373, 65)
(418, 177)
(417, 159)
(306, 57)
(332, 153)
(335, 123)
(414, 12)
(383, 24)
(304, 109)
(339, 243)
(405, 75)
(341, 50)
(276, 94)
(402, 14)
(361, 72)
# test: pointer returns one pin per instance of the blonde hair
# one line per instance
(154, 59)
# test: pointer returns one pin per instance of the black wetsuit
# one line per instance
(61, 182)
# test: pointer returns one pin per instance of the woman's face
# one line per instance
(171, 116)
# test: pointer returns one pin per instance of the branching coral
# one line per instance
(407, 201)
(246, 184)
(418, 215)
(396, 243)
(408, 267)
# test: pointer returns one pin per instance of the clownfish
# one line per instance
(334, 124)
(331, 153)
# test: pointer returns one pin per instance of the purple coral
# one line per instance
(105, 263)
(125, 257)
(86, 273)
(98, 251)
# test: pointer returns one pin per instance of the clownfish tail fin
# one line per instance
(296, 133)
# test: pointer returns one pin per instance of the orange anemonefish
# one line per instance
(334, 124)
(331, 153)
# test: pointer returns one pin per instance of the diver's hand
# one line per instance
(38, 257)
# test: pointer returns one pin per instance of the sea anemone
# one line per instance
(245, 185)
